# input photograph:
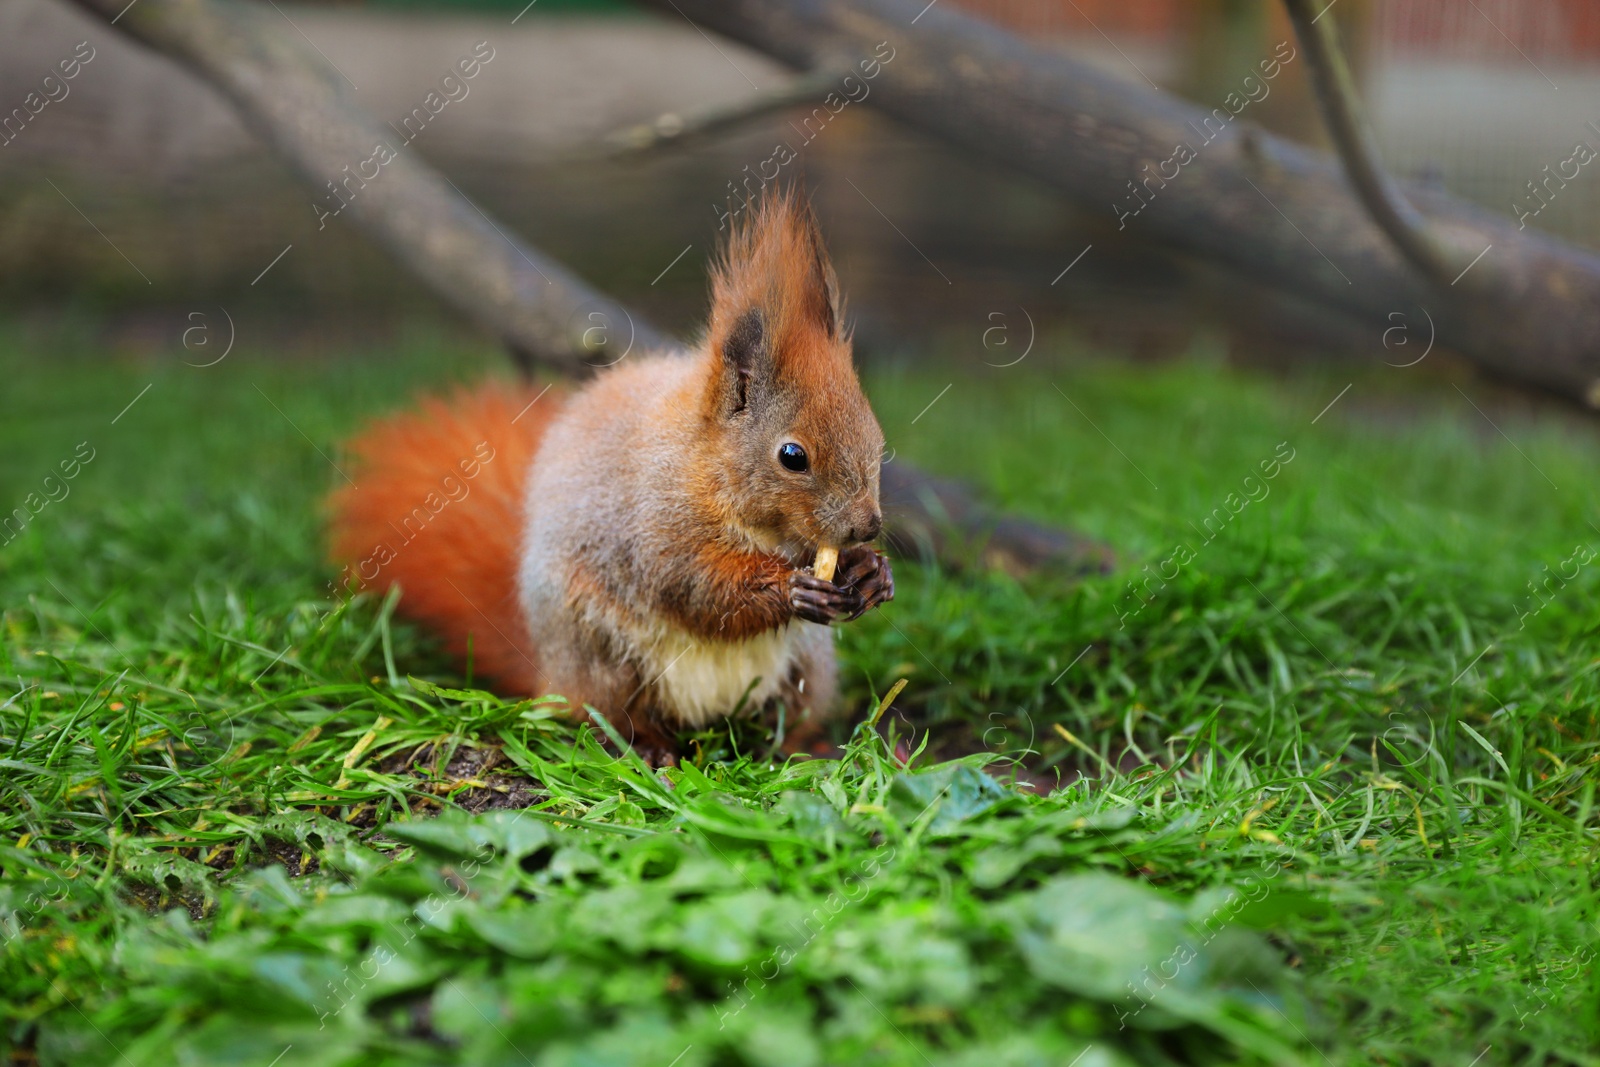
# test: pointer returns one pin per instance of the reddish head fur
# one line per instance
(779, 370)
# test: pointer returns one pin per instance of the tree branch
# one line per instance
(1205, 183)
(544, 312)
(1340, 104)
(292, 101)
(673, 129)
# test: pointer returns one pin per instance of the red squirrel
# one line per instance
(641, 545)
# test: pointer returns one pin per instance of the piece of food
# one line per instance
(827, 561)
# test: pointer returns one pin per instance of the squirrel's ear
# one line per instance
(831, 305)
(772, 293)
(741, 351)
(820, 293)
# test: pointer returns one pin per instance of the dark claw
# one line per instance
(867, 572)
(822, 602)
(658, 756)
(856, 564)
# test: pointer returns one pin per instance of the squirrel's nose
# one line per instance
(867, 529)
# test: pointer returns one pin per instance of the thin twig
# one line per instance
(673, 128)
(1341, 109)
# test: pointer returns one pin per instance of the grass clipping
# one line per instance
(827, 562)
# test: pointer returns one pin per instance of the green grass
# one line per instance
(1303, 815)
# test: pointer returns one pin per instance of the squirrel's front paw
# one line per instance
(816, 600)
(866, 570)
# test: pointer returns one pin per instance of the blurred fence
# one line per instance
(1479, 95)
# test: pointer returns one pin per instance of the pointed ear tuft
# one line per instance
(740, 351)
(776, 261)
(817, 288)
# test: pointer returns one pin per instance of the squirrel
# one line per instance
(641, 544)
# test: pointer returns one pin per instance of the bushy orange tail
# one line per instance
(437, 508)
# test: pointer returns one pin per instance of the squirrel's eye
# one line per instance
(793, 457)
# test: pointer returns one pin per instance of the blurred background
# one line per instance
(1313, 565)
(140, 197)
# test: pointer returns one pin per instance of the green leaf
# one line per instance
(528, 932)
(1096, 934)
(953, 793)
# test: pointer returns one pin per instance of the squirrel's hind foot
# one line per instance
(651, 741)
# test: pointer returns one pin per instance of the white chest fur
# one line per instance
(699, 680)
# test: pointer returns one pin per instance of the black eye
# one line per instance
(793, 457)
